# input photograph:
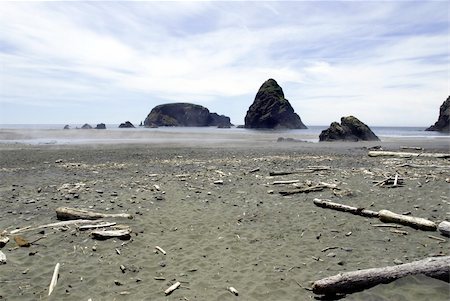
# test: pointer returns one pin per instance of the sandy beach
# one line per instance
(219, 215)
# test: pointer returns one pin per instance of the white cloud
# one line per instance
(332, 58)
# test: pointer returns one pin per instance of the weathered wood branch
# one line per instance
(67, 213)
(53, 225)
(54, 279)
(414, 222)
(171, 288)
(96, 226)
(444, 228)
(302, 190)
(345, 208)
(355, 281)
(407, 155)
(303, 170)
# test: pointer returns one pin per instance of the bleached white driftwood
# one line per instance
(171, 288)
(160, 250)
(407, 155)
(345, 208)
(303, 170)
(54, 279)
(67, 213)
(415, 222)
(2, 258)
(3, 241)
(233, 290)
(52, 225)
(285, 182)
(444, 228)
(355, 281)
(96, 226)
(105, 234)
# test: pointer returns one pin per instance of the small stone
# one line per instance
(398, 261)
(118, 283)
(123, 268)
(94, 248)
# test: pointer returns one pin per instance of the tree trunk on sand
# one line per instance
(66, 213)
(415, 222)
(355, 281)
(345, 208)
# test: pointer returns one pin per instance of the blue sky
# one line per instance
(386, 62)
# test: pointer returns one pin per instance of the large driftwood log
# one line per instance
(66, 213)
(345, 208)
(407, 155)
(355, 281)
(444, 228)
(414, 222)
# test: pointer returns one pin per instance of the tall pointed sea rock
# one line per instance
(270, 110)
(443, 123)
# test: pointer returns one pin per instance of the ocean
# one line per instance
(55, 134)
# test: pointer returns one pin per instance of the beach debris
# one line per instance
(21, 241)
(355, 281)
(2, 258)
(123, 234)
(390, 182)
(67, 213)
(444, 228)
(407, 155)
(96, 226)
(3, 240)
(386, 226)
(54, 279)
(285, 182)
(437, 238)
(218, 182)
(384, 215)
(309, 169)
(123, 268)
(171, 288)
(53, 225)
(160, 250)
(302, 190)
(345, 208)
(233, 290)
(414, 222)
(254, 170)
(412, 148)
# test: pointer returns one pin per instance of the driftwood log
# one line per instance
(355, 281)
(96, 226)
(123, 234)
(444, 228)
(67, 213)
(345, 208)
(407, 155)
(171, 288)
(414, 222)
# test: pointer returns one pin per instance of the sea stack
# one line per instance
(443, 123)
(126, 125)
(350, 129)
(270, 110)
(184, 114)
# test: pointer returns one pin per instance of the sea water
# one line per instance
(55, 134)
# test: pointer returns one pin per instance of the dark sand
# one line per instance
(237, 233)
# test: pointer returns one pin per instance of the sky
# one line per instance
(385, 62)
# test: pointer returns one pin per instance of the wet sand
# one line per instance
(212, 206)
